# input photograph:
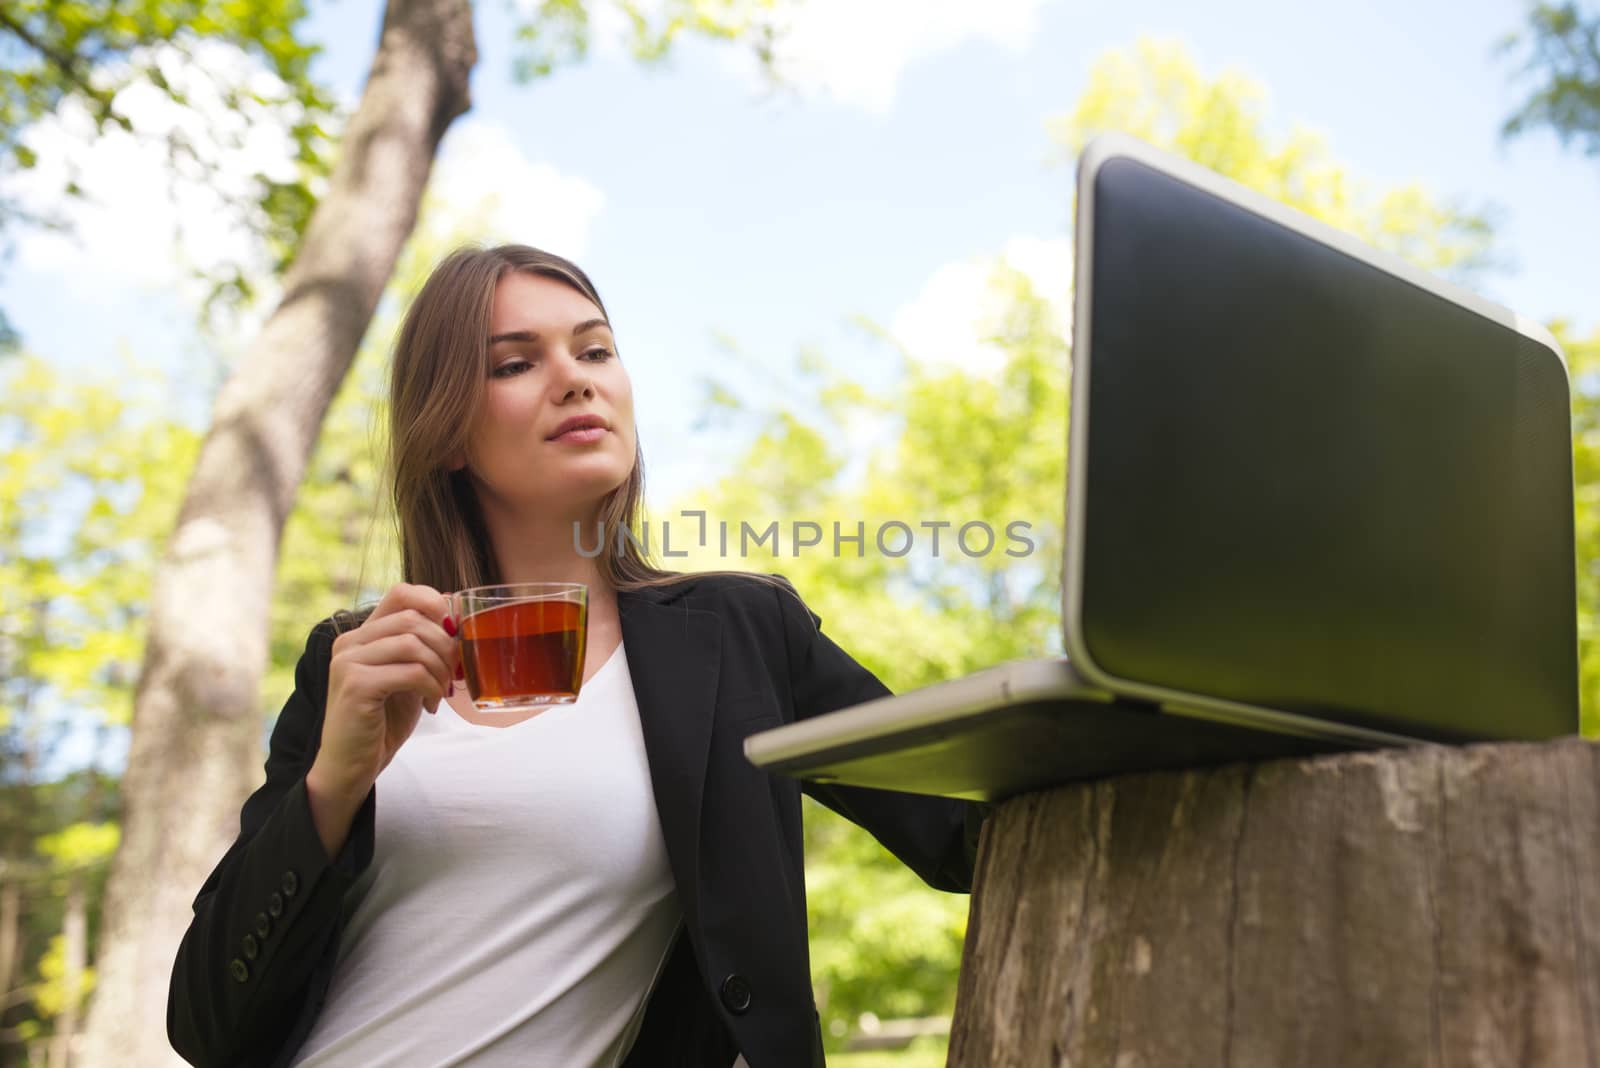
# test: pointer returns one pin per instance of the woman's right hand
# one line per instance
(381, 676)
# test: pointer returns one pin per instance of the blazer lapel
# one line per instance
(674, 655)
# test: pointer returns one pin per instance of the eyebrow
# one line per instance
(530, 336)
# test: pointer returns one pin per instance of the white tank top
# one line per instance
(519, 904)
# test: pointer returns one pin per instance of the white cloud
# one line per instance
(147, 217)
(485, 188)
(855, 51)
(961, 303)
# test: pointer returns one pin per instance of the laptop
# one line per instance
(1317, 500)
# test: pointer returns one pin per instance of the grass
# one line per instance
(922, 1054)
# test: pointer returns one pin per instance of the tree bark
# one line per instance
(74, 937)
(1423, 907)
(10, 934)
(196, 739)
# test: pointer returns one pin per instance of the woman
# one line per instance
(569, 886)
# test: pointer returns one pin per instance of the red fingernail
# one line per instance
(451, 692)
(450, 626)
(461, 672)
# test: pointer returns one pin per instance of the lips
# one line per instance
(580, 423)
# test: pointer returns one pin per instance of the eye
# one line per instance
(514, 366)
(598, 355)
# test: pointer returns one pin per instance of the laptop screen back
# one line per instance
(1313, 486)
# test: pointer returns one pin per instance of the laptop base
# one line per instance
(996, 753)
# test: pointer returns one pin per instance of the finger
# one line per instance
(424, 599)
(410, 648)
(402, 646)
(402, 651)
(392, 603)
(408, 621)
(410, 685)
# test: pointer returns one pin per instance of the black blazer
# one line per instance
(713, 659)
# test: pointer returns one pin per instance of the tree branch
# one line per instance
(65, 63)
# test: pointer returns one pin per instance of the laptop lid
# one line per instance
(1306, 476)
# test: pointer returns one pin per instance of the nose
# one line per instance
(575, 382)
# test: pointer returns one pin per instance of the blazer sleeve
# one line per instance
(934, 836)
(266, 921)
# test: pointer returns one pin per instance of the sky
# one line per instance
(729, 228)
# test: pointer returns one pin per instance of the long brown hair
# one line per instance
(436, 391)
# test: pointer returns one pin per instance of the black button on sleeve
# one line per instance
(290, 883)
(263, 925)
(251, 947)
(275, 905)
(736, 994)
(239, 970)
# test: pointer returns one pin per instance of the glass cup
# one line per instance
(522, 644)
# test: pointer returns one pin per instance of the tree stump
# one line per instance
(1416, 907)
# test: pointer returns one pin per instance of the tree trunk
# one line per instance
(1424, 907)
(10, 935)
(197, 713)
(75, 939)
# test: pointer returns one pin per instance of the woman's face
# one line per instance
(552, 361)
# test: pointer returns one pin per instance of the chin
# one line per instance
(571, 490)
(593, 487)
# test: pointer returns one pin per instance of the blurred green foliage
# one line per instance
(90, 476)
(1559, 54)
(923, 1053)
(90, 51)
(1155, 92)
(558, 32)
(51, 833)
(1583, 363)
